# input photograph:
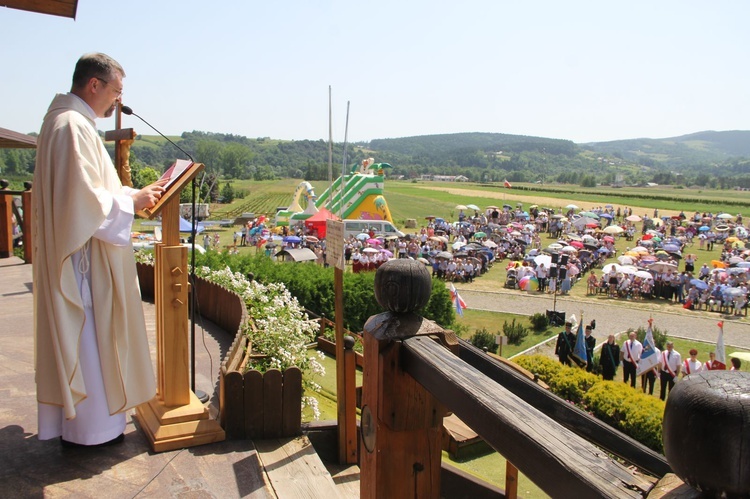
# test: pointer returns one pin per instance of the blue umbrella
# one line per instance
(699, 284)
(292, 239)
(704, 228)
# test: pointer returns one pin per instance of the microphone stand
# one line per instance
(202, 396)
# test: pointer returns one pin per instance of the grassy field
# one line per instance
(409, 200)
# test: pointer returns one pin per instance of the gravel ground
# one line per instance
(614, 316)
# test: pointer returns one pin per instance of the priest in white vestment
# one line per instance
(92, 355)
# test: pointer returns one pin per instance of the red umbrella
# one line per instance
(609, 239)
(576, 244)
(647, 237)
(374, 241)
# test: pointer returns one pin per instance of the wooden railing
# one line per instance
(8, 209)
(411, 381)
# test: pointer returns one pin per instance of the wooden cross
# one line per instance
(123, 138)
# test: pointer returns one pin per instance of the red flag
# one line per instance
(507, 184)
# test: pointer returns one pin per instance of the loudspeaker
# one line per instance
(555, 258)
(564, 260)
(563, 273)
(553, 272)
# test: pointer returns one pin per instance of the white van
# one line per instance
(379, 227)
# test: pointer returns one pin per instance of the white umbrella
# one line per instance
(609, 267)
(625, 260)
(489, 244)
(458, 245)
(725, 216)
(633, 218)
(662, 266)
(575, 237)
(555, 247)
(572, 207)
(461, 207)
(543, 259)
(569, 249)
(643, 274)
(370, 250)
(613, 230)
(741, 355)
(472, 207)
(628, 269)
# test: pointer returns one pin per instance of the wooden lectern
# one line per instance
(175, 418)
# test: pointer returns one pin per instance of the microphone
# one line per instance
(129, 111)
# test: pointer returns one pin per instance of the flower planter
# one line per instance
(262, 405)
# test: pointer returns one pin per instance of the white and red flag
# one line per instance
(721, 356)
(459, 303)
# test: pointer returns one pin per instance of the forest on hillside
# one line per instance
(706, 159)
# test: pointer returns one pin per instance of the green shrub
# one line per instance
(515, 332)
(660, 337)
(634, 413)
(484, 339)
(539, 322)
(312, 285)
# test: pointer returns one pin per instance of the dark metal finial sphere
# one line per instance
(402, 285)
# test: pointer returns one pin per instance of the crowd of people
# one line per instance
(668, 365)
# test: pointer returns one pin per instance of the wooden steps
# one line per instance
(294, 469)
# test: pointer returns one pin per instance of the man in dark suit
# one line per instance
(566, 341)
(609, 359)
(590, 345)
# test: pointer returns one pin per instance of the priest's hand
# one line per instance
(149, 195)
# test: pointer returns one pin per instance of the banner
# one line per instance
(650, 355)
(457, 300)
(579, 351)
(721, 356)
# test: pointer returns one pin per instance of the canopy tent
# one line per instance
(296, 255)
(185, 226)
(317, 222)
(63, 8)
(14, 140)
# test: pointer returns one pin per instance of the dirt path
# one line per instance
(614, 317)
(508, 196)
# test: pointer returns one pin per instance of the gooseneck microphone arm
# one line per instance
(202, 396)
(129, 111)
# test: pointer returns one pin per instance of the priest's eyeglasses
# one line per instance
(119, 92)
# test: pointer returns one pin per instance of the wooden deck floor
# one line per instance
(33, 468)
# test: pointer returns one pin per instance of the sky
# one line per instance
(586, 71)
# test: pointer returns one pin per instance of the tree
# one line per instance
(209, 152)
(144, 176)
(227, 193)
(235, 160)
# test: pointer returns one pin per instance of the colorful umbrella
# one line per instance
(528, 283)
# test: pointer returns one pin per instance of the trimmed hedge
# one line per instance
(312, 285)
(634, 413)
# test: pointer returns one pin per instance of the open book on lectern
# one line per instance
(179, 174)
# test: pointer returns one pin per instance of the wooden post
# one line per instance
(28, 242)
(345, 405)
(350, 394)
(511, 480)
(6, 225)
(175, 418)
(401, 421)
